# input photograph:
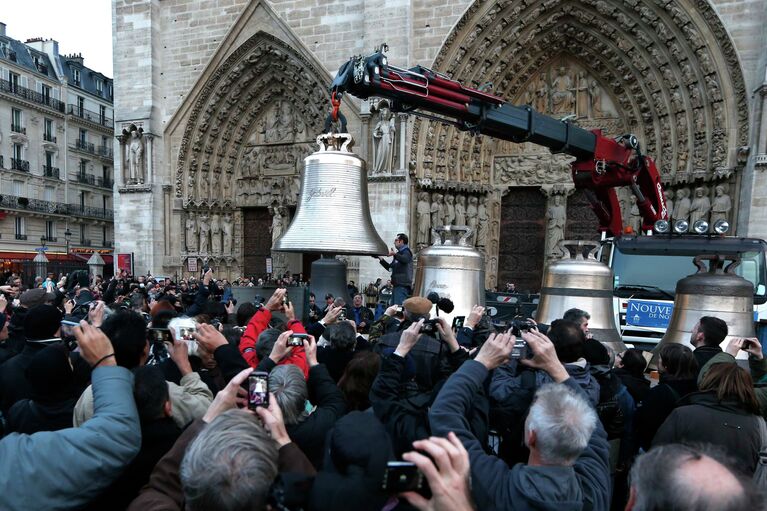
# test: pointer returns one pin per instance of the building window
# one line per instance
(15, 80)
(16, 120)
(102, 114)
(48, 133)
(80, 106)
(49, 194)
(82, 200)
(46, 92)
(104, 235)
(83, 228)
(83, 165)
(21, 228)
(83, 136)
(105, 202)
(99, 86)
(18, 152)
(18, 189)
(49, 159)
(50, 230)
(76, 76)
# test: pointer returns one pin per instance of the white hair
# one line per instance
(563, 422)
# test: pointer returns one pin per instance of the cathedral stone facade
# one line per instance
(228, 96)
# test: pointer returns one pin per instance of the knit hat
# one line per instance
(418, 305)
(42, 322)
(37, 296)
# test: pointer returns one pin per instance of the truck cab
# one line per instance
(647, 268)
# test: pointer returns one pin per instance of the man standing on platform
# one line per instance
(401, 269)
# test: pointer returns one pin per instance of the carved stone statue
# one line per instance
(227, 227)
(423, 218)
(460, 210)
(449, 210)
(596, 100)
(700, 206)
(204, 225)
(215, 234)
(555, 225)
(134, 156)
(279, 214)
(582, 95)
(682, 205)
(191, 233)
(383, 140)
(279, 125)
(542, 95)
(720, 209)
(471, 214)
(483, 222)
(669, 194)
(562, 100)
(436, 210)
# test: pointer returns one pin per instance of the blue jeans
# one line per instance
(399, 294)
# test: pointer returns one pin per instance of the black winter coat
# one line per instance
(28, 416)
(657, 406)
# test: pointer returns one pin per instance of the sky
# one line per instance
(80, 26)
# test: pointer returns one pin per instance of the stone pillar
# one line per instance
(402, 141)
(148, 157)
(96, 265)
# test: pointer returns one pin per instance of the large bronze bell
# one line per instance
(333, 213)
(713, 291)
(453, 269)
(578, 280)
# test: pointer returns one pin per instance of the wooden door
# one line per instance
(523, 241)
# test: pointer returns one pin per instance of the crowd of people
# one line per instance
(107, 403)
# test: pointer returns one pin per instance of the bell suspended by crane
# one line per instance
(715, 290)
(333, 214)
(453, 269)
(580, 281)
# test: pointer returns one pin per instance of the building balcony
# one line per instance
(22, 237)
(82, 145)
(35, 97)
(49, 138)
(17, 128)
(22, 165)
(87, 179)
(49, 171)
(90, 115)
(11, 202)
(86, 243)
(105, 151)
(51, 239)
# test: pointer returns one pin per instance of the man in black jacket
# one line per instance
(568, 467)
(706, 336)
(401, 269)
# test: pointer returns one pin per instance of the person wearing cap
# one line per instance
(401, 268)
(28, 299)
(41, 328)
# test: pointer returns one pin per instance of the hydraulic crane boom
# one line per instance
(601, 164)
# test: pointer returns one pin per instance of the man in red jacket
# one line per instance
(260, 323)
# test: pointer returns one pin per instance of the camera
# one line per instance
(401, 476)
(342, 315)
(429, 327)
(159, 335)
(258, 389)
(183, 328)
(517, 326)
(297, 339)
(521, 350)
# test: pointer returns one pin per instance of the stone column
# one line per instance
(365, 133)
(402, 141)
(148, 158)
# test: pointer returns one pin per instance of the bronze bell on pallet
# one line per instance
(578, 280)
(453, 269)
(715, 290)
(333, 212)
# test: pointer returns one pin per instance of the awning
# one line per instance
(51, 256)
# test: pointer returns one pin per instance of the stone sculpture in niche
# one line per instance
(720, 208)
(423, 218)
(279, 221)
(460, 210)
(555, 224)
(215, 234)
(384, 140)
(700, 206)
(133, 138)
(483, 219)
(449, 217)
(191, 233)
(682, 206)
(562, 100)
(227, 228)
(472, 211)
(669, 195)
(204, 227)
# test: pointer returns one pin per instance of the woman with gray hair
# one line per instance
(308, 422)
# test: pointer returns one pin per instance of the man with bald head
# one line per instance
(676, 476)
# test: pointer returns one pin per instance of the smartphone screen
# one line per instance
(402, 476)
(258, 390)
(458, 322)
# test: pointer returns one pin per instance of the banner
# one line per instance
(125, 262)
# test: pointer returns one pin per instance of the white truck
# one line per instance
(647, 268)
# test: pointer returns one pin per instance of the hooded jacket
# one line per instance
(584, 485)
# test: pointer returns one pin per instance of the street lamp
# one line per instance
(40, 261)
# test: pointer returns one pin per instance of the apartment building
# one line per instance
(56, 159)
